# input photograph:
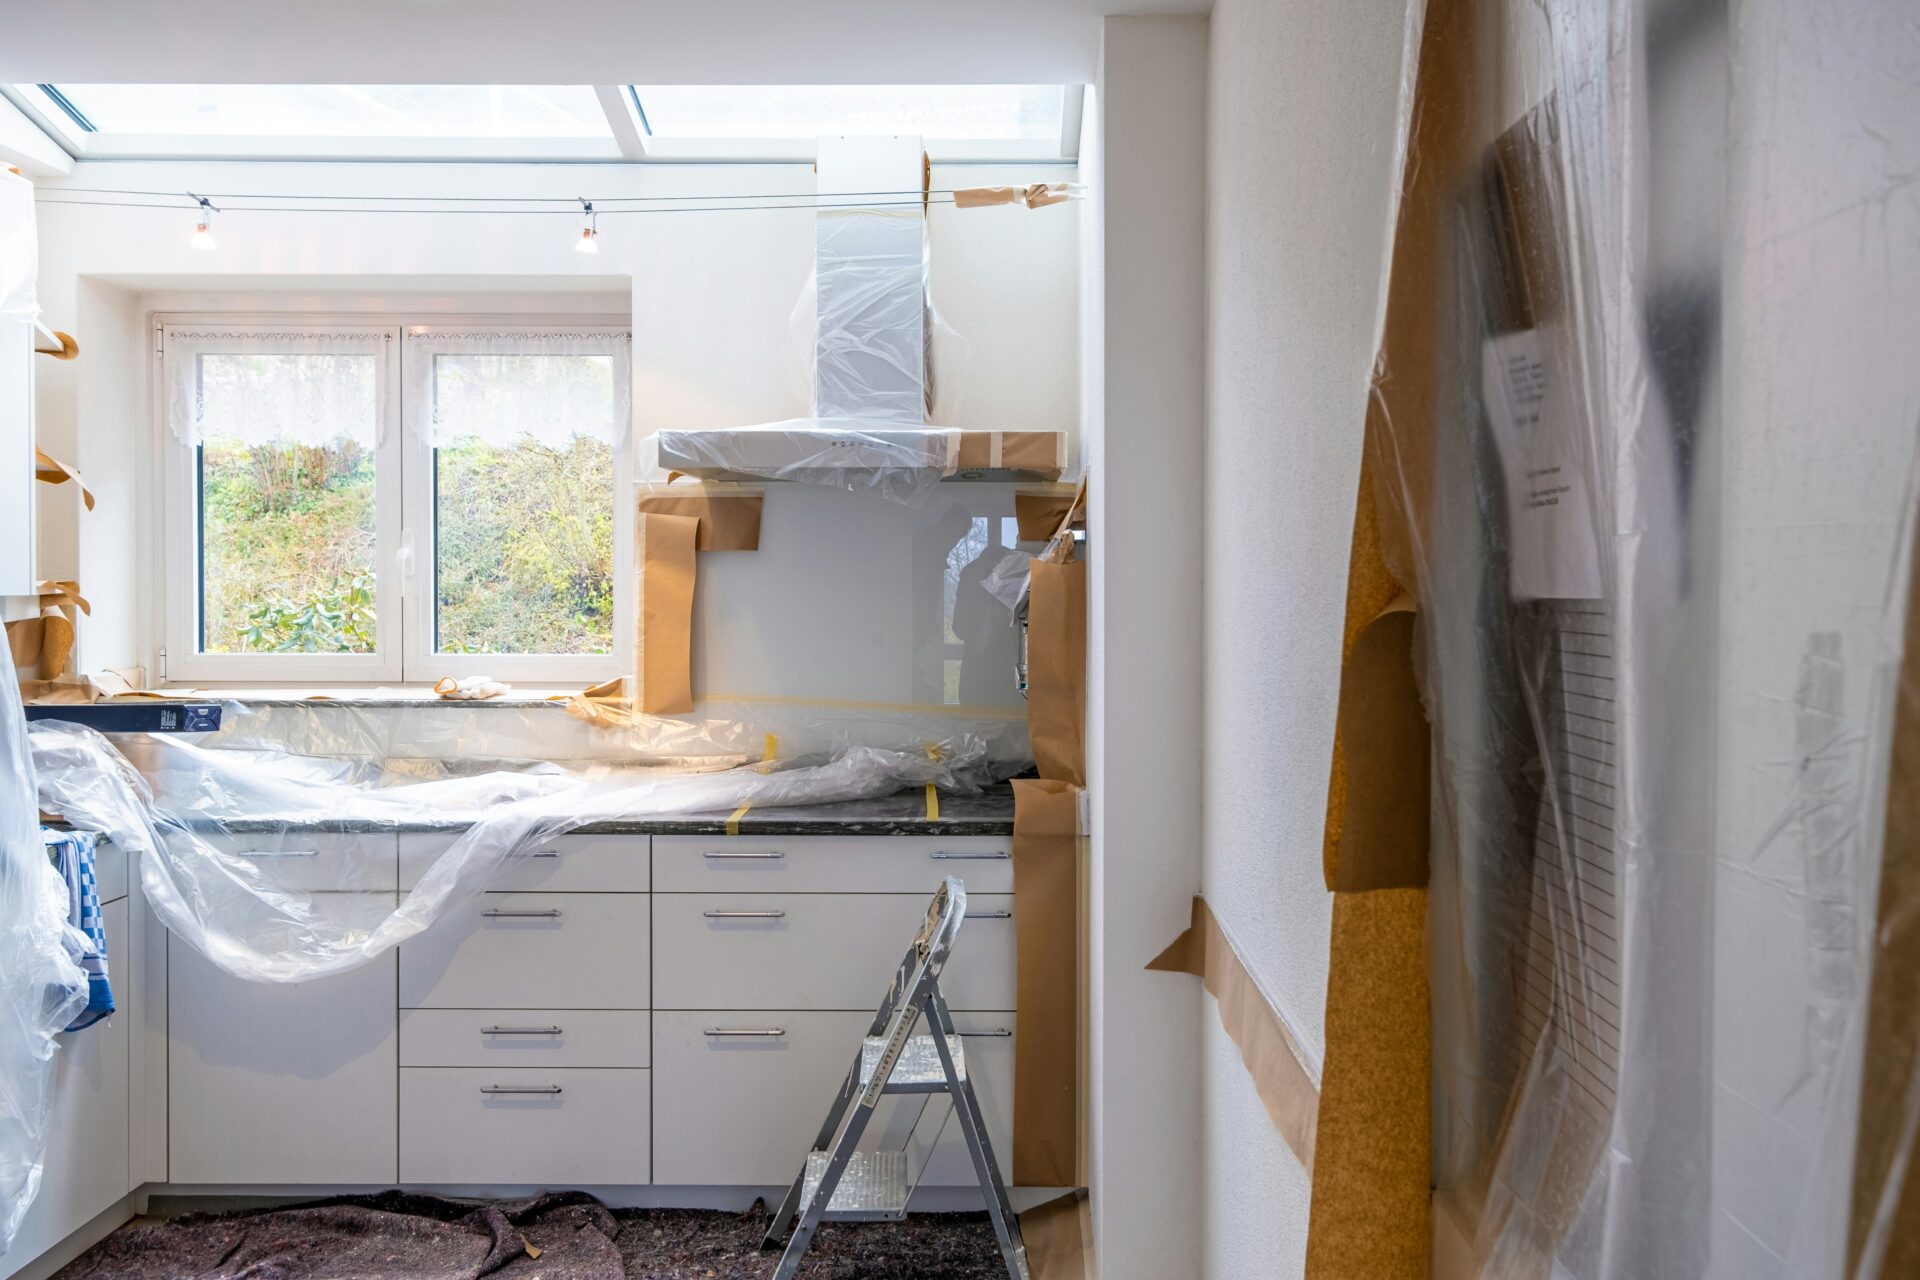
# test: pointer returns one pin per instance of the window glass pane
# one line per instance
(342, 110)
(286, 495)
(523, 498)
(993, 112)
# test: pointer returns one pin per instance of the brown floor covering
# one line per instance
(397, 1235)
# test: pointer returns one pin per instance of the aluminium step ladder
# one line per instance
(838, 1182)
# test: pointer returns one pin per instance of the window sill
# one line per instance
(401, 695)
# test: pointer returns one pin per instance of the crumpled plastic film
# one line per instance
(42, 987)
(191, 812)
(1643, 430)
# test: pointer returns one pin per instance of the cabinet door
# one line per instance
(86, 1161)
(272, 1083)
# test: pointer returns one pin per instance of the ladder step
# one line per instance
(918, 1070)
(873, 1188)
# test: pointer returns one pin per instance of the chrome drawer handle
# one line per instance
(734, 857)
(948, 855)
(278, 853)
(989, 915)
(743, 915)
(998, 1033)
(520, 1088)
(764, 1032)
(545, 853)
(498, 913)
(519, 1031)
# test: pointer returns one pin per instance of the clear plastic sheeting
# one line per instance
(42, 987)
(1643, 441)
(19, 249)
(899, 463)
(192, 813)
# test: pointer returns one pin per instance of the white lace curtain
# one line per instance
(503, 387)
(275, 387)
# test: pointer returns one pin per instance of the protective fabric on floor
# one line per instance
(397, 1235)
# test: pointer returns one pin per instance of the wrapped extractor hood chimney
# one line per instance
(868, 430)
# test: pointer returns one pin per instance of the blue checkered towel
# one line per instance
(72, 853)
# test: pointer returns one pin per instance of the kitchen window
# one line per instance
(357, 503)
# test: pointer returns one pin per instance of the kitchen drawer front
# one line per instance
(742, 1109)
(531, 951)
(818, 950)
(565, 864)
(523, 1038)
(547, 1127)
(831, 864)
(316, 860)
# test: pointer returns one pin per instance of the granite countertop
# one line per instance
(902, 814)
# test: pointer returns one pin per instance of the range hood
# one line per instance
(871, 389)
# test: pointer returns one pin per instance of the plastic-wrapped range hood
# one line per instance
(870, 396)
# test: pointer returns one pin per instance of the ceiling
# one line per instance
(569, 42)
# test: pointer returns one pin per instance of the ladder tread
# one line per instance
(872, 1188)
(918, 1070)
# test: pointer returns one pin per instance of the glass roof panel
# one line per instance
(336, 110)
(988, 112)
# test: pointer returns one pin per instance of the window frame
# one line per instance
(403, 525)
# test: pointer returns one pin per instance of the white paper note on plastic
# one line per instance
(1555, 555)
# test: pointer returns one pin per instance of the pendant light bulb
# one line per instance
(202, 238)
(589, 241)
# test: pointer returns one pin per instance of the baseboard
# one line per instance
(168, 1201)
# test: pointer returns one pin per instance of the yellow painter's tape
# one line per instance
(733, 819)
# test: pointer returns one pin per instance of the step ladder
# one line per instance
(838, 1182)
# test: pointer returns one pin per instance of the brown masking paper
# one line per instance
(728, 521)
(1038, 515)
(1057, 669)
(981, 197)
(1272, 1056)
(1058, 1236)
(1886, 1198)
(1034, 451)
(48, 469)
(1046, 1048)
(663, 625)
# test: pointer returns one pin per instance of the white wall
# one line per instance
(1144, 644)
(712, 296)
(1301, 108)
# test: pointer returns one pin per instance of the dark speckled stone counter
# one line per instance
(902, 814)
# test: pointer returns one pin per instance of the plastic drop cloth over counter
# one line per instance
(1642, 439)
(177, 811)
(42, 987)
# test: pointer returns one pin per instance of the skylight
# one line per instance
(986, 112)
(536, 122)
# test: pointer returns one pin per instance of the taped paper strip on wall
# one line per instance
(663, 624)
(1273, 1057)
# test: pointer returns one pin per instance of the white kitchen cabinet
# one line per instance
(284, 1083)
(86, 1163)
(818, 950)
(524, 1126)
(742, 1096)
(565, 864)
(532, 951)
(524, 1038)
(831, 864)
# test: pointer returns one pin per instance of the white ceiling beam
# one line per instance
(623, 120)
(24, 145)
